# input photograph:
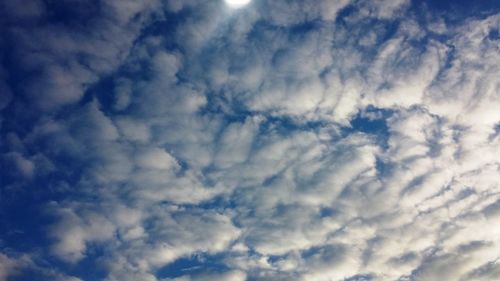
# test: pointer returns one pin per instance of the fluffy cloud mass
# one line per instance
(283, 140)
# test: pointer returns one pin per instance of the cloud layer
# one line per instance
(286, 140)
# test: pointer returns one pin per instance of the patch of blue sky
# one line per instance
(197, 263)
(455, 12)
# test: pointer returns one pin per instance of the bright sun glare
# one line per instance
(237, 3)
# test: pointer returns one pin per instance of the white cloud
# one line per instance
(10, 266)
(68, 61)
(73, 231)
(287, 13)
(226, 276)
(157, 159)
(385, 9)
(15, 266)
(235, 143)
(240, 142)
(174, 233)
(134, 130)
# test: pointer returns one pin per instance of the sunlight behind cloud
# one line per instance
(237, 3)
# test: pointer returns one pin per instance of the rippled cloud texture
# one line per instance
(185, 140)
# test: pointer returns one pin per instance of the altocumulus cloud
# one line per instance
(319, 140)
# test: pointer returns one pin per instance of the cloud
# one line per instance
(74, 230)
(10, 266)
(21, 267)
(165, 131)
(384, 9)
(24, 166)
(173, 233)
(67, 62)
(227, 276)
(297, 12)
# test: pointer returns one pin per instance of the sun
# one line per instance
(237, 3)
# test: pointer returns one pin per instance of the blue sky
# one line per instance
(186, 140)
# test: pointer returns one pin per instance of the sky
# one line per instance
(277, 140)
